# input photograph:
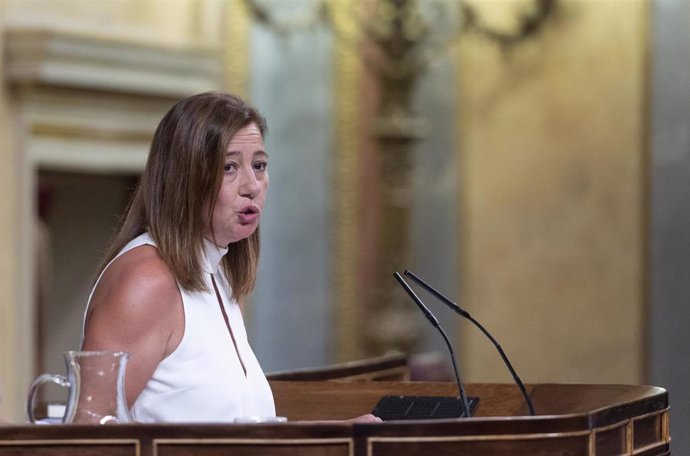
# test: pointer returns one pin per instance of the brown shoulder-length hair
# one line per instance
(180, 183)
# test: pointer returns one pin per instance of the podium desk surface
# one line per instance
(591, 420)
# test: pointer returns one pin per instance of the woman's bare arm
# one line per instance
(136, 308)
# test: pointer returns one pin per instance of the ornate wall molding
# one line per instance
(91, 104)
(94, 63)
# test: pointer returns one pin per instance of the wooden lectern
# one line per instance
(588, 420)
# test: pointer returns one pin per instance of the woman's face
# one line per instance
(242, 190)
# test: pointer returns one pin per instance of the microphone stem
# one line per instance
(516, 378)
(461, 387)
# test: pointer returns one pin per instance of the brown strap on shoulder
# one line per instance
(227, 323)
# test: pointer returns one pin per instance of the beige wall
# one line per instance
(8, 273)
(553, 181)
(174, 22)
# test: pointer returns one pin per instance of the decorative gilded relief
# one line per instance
(395, 40)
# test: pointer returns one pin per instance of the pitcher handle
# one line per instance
(60, 380)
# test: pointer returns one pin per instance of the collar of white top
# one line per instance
(213, 254)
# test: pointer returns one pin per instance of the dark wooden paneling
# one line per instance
(247, 449)
(612, 441)
(67, 449)
(385, 368)
(647, 431)
(575, 446)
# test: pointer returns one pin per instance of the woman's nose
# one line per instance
(249, 186)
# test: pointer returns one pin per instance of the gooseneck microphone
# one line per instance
(429, 316)
(466, 315)
(426, 407)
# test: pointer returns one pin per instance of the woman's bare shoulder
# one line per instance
(136, 307)
(137, 283)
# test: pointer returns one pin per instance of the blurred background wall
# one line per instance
(546, 189)
(554, 155)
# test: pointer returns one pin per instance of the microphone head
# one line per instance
(440, 296)
(427, 313)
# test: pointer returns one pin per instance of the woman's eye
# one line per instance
(260, 166)
(229, 167)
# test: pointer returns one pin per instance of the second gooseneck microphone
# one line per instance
(427, 313)
(466, 315)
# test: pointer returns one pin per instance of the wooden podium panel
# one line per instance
(67, 447)
(328, 439)
(572, 419)
(588, 420)
(254, 447)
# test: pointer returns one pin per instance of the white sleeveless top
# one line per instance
(203, 379)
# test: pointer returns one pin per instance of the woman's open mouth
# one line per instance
(248, 215)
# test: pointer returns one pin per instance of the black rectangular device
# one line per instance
(422, 407)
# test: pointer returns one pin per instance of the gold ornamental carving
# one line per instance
(397, 42)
